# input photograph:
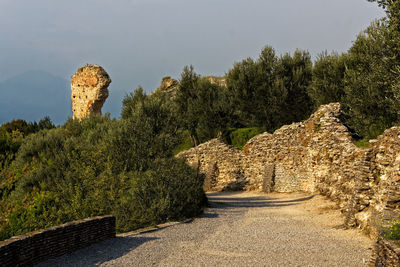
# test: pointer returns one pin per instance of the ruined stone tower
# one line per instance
(89, 90)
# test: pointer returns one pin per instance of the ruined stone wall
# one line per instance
(89, 91)
(385, 169)
(317, 155)
(35, 247)
(387, 254)
(168, 86)
(220, 162)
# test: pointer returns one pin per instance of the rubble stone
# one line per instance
(89, 91)
(315, 156)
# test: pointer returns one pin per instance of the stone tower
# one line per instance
(89, 91)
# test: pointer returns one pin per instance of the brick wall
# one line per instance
(32, 248)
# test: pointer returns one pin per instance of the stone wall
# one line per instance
(32, 248)
(387, 254)
(168, 86)
(386, 170)
(220, 162)
(315, 156)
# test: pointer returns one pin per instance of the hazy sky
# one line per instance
(140, 41)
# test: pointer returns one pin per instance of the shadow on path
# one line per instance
(227, 205)
(99, 253)
(232, 202)
(222, 200)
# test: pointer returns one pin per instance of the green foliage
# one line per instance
(293, 76)
(185, 144)
(202, 106)
(270, 91)
(27, 128)
(363, 143)
(214, 110)
(169, 190)
(371, 100)
(393, 232)
(126, 167)
(266, 93)
(101, 166)
(187, 104)
(132, 101)
(12, 135)
(154, 118)
(239, 137)
(328, 79)
(367, 102)
(252, 92)
(392, 51)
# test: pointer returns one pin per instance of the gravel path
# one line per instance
(239, 229)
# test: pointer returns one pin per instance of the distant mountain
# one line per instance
(34, 95)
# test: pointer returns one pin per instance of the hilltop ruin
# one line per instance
(89, 91)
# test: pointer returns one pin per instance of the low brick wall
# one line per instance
(387, 253)
(32, 248)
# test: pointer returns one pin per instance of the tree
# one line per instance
(251, 88)
(293, 76)
(131, 101)
(152, 118)
(213, 110)
(271, 91)
(327, 84)
(187, 104)
(368, 95)
(12, 135)
(100, 166)
(391, 48)
(46, 123)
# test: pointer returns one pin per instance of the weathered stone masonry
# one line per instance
(387, 254)
(317, 155)
(89, 90)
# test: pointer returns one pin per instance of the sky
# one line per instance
(140, 41)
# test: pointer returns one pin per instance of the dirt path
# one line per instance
(240, 229)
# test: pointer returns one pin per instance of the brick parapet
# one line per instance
(35, 247)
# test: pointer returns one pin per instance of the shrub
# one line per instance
(12, 135)
(393, 232)
(239, 137)
(100, 166)
(185, 144)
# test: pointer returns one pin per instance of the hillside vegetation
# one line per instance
(101, 166)
(126, 167)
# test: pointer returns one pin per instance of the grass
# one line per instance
(239, 137)
(184, 145)
(363, 143)
(393, 233)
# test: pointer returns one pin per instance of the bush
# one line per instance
(185, 144)
(393, 232)
(239, 137)
(327, 84)
(363, 143)
(12, 135)
(367, 103)
(168, 191)
(100, 166)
